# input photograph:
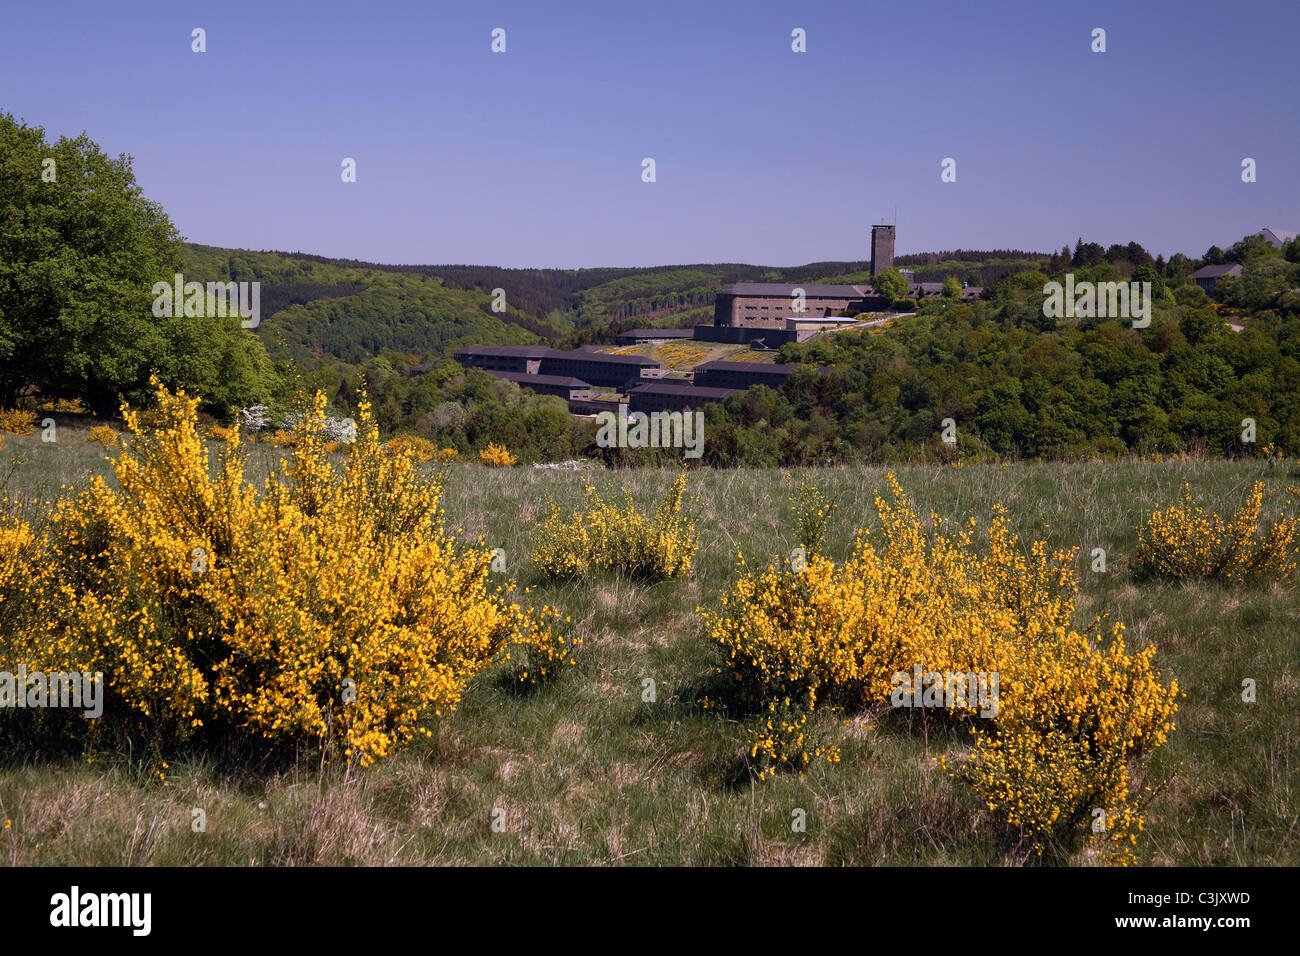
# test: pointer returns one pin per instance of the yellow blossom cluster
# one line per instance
(778, 741)
(102, 434)
(223, 432)
(420, 449)
(678, 355)
(17, 421)
(608, 537)
(64, 406)
(934, 599)
(1183, 541)
(496, 456)
(329, 607)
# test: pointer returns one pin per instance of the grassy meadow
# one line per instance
(587, 771)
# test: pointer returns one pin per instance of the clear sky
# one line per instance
(533, 157)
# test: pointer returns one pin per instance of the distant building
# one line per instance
(1278, 238)
(741, 374)
(673, 396)
(596, 368)
(767, 304)
(740, 335)
(934, 290)
(565, 386)
(652, 336)
(594, 406)
(503, 358)
(882, 249)
(1207, 276)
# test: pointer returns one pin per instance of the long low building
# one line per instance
(743, 335)
(598, 368)
(566, 386)
(673, 396)
(594, 406)
(741, 374)
(526, 359)
(653, 336)
(595, 368)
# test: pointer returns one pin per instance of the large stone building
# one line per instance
(767, 305)
(783, 305)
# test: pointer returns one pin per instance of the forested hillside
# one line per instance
(320, 311)
(317, 313)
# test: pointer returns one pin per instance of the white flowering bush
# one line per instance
(255, 417)
(343, 430)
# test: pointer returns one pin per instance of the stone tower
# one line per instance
(882, 249)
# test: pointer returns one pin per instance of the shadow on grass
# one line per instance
(241, 761)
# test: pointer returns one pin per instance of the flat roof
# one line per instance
(722, 366)
(682, 388)
(1213, 272)
(786, 290)
(540, 351)
(516, 351)
(604, 357)
(523, 378)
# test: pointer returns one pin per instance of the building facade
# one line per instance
(566, 387)
(738, 375)
(652, 336)
(673, 397)
(882, 249)
(524, 359)
(598, 368)
(592, 368)
(1207, 276)
(767, 305)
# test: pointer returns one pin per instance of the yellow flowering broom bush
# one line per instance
(1183, 541)
(331, 608)
(496, 456)
(608, 537)
(1070, 714)
(420, 449)
(23, 576)
(103, 434)
(17, 421)
(1059, 757)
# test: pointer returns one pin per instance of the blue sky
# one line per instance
(533, 157)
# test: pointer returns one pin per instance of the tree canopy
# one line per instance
(80, 250)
